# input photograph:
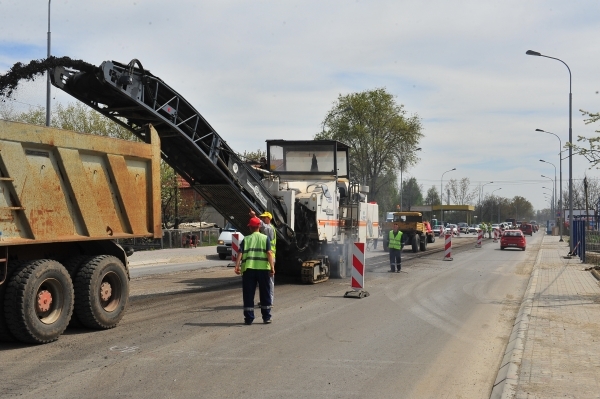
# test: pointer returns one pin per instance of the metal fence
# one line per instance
(174, 239)
(592, 241)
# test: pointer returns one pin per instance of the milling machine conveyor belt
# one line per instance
(133, 97)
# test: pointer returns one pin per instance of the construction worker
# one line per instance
(257, 267)
(267, 229)
(395, 247)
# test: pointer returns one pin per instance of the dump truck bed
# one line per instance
(58, 185)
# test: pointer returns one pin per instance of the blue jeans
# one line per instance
(250, 278)
(395, 259)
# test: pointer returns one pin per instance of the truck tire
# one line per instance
(102, 291)
(5, 334)
(423, 246)
(415, 243)
(431, 238)
(39, 301)
(73, 265)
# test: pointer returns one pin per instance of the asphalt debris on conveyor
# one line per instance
(35, 68)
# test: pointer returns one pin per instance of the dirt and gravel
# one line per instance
(36, 68)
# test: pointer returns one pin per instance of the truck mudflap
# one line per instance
(315, 271)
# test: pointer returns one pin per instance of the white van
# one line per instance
(224, 241)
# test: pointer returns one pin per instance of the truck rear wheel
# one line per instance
(101, 289)
(415, 243)
(73, 265)
(423, 246)
(39, 301)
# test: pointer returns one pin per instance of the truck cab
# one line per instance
(416, 231)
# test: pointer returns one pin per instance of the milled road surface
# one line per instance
(438, 330)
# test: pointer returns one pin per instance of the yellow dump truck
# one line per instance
(416, 231)
(65, 197)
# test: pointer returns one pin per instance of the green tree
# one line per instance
(592, 153)
(432, 197)
(411, 193)
(253, 155)
(389, 194)
(73, 116)
(168, 194)
(379, 133)
(522, 209)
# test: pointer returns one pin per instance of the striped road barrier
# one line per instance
(358, 272)
(448, 247)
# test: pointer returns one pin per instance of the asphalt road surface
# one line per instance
(436, 330)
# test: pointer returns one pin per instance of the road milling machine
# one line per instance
(317, 208)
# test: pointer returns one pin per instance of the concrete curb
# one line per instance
(508, 374)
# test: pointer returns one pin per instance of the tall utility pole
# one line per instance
(480, 195)
(442, 196)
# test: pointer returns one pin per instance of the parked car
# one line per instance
(451, 229)
(513, 239)
(505, 226)
(463, 227)
(526, 228)
(535, 225)
(474, 228)
(224, 241)
(437, 229)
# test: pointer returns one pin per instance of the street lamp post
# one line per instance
(442, 195)
(480, 195)
(552, 198)
(401, 168)
(492, 212)
(531, 52)
(553, 183)
(48, 73)
(560, 202)
(554, 193)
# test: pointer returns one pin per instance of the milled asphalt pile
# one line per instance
(174, 255)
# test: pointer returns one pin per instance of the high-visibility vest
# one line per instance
(273, 240)
(255, 252)
(395, 242)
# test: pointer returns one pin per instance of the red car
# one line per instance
(513, 239)
(526, 228)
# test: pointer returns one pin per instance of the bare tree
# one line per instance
(459, 191)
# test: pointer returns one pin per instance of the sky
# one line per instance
(273, 69)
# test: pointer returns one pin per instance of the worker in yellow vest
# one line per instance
(256, 267)
(395, 247)
(267, 229)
